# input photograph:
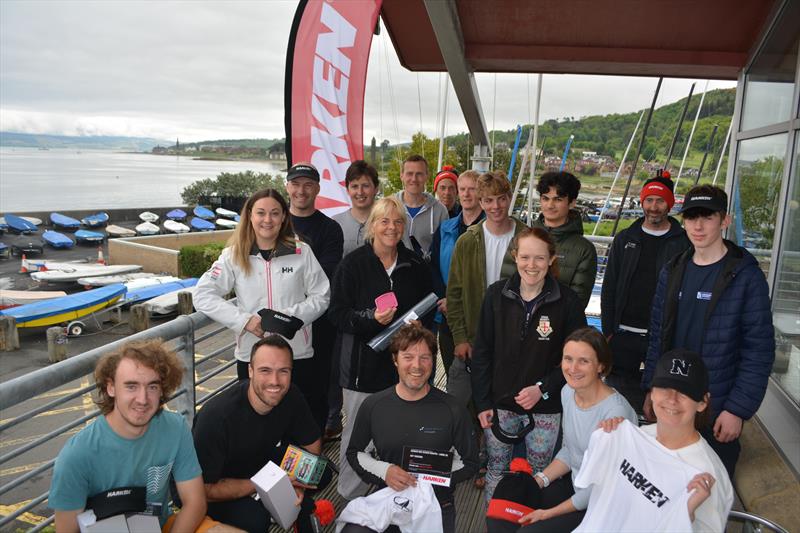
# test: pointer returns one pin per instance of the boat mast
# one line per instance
(566, 153)
(619, 171)
(535, 141)
(705, 153)
(678, 129)
(525, 156)
(722, 153)
(636, 159)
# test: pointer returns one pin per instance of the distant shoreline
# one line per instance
(225, 158)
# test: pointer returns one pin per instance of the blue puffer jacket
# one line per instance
(738, 339)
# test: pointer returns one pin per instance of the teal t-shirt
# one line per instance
(97, 459)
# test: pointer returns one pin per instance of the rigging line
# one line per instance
(380, 100)
(393, 103)
(419, 102)
(528, 80)
(691, 134)
(616, 176)
(494, 116)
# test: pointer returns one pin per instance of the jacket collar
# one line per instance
(281, 248)
(551, 290)
(675, 227)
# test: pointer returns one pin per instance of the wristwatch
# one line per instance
(544, 478)
(545, 395)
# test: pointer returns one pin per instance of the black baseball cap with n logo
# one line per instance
(684, 371)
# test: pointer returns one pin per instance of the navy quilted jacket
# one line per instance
(738, 339)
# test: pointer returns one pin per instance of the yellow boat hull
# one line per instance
(68, 316)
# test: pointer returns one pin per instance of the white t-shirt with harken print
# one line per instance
(637, 485)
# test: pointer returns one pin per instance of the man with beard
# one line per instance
(634, 261)
(414, 414)
(248, 425)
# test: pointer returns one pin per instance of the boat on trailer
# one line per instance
(66, 308)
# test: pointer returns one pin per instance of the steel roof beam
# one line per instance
(443, 15)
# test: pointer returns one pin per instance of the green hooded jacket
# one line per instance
(466, 283)
(577, 257)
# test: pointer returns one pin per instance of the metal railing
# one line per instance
(19, 394)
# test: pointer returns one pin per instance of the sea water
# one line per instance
(66, 179)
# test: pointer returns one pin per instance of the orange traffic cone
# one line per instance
(100, 259)
(23, 267)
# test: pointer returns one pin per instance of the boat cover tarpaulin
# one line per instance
(326, 70)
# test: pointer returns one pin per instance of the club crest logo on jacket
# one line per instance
(544, 330)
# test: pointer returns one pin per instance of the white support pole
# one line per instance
(445, 90)
(619, 171)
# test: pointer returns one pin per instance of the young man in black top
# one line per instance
(248, 425)
(412, 413)
(326, 239)
(634, 261)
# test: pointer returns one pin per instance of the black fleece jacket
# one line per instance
(512, 352)
(360, 279)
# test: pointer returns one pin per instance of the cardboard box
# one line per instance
(277, 494)
(303, 466)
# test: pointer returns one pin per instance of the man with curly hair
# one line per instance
(134, 443)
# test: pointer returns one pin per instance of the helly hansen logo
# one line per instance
(648, 490)
(287, 270)
(680, 367)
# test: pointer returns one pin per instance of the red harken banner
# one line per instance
(326, 71)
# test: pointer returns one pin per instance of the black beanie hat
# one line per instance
(516, 495)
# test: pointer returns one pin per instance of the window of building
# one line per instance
(769, 84)
(786, 295)
(757, 186)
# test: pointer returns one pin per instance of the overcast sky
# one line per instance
(201, 69)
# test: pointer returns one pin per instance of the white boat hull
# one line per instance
(147, 228)
(78, 271)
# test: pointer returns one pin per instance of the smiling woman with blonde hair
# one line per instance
(373, 285)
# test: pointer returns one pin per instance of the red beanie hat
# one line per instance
(447, 173)
(661, 186)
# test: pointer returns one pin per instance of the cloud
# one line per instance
(201, 70)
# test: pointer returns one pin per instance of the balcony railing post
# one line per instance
(186, 402)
